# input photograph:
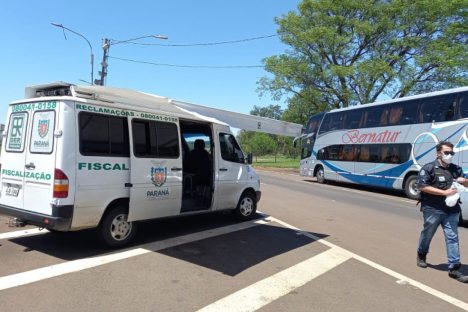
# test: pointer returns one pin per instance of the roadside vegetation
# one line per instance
(278, 161)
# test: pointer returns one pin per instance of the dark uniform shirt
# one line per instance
(433, 174)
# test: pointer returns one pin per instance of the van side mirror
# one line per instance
(249, 158)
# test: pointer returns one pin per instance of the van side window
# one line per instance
(155, 139)
(230, 150)
(102, 135)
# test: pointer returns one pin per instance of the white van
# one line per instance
(76, 157)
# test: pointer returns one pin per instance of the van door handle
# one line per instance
(176, 169)
(223, 169)
(128, 184)
(30, 166)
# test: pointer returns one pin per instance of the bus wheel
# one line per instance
(246, 207)
(411, 189)
(320, 174)
(115, 230)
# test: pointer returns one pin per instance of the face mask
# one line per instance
(447, 158)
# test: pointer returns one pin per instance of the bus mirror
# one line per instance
(295, 140)
(249, 158)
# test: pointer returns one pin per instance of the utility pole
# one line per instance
(106, 43)
(105, 51)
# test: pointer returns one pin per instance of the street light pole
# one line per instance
(106, 43)
(89, 44)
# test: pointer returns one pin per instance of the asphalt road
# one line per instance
(314, 248)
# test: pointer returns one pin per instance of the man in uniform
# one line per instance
(434, 182)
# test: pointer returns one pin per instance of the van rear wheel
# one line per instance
(247, 207)
(115, 230)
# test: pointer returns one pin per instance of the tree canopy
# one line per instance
(344, 52)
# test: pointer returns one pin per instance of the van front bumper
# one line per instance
(60, 220)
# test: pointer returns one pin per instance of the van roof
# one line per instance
(110, 95)
(136, 99)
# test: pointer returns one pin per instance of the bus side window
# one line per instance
(409, 114)
(404, 152)
(374, 152)
(364, 154)
(393, 154)
(463, 104)
(336, 123)
(385, 154)
(396, 112)
(373, 117)
(425, 114)
(384, 117)
(334, 152)
(347, 153)
(321, 154)
(437, 109)
(352, 119)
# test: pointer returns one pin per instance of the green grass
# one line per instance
(281, 162)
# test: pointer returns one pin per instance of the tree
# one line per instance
(345, 52)
(263, 144)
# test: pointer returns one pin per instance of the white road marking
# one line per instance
(32, 276)
(21, 233)
(261, 293)
(399, 277)
(250, 298)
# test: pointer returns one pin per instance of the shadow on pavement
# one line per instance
(235, 252)
(444, 267)
(364, 188)
(228, 253)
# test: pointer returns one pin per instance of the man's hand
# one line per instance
(462, 181)
(450, 191)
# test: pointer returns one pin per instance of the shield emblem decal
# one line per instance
(43, 127)
(158, 175)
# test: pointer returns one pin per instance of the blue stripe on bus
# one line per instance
(433, 148)
(376, 178)
(461, 143)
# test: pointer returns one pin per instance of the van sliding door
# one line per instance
(156, 167)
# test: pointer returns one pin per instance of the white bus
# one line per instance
(385, 144)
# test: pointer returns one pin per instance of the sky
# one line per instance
(35, 52)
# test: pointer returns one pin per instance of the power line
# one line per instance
(186, 66)
(200, 44)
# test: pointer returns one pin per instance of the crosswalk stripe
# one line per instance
(36, 275)
(399, 277)
(261, 293)
(21, 233)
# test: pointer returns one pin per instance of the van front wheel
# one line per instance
(115, 230)
(246, 207)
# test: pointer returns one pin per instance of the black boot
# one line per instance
(421, 260)
(456, 274)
